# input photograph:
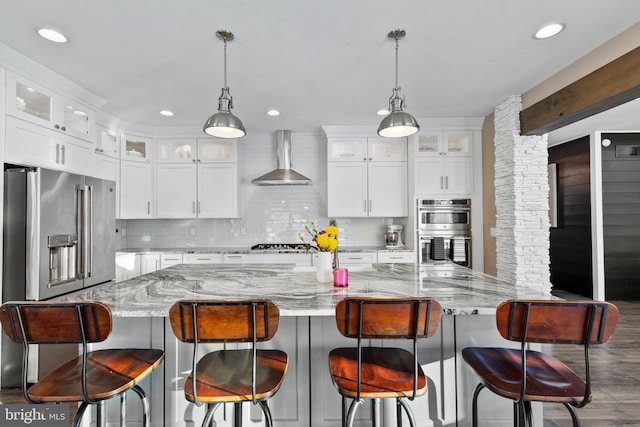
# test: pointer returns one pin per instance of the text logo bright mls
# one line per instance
(34, 415)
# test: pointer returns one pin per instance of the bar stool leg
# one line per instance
(351, 415)
(398, 413)
(237, 414)
(123, 409)
(101, 419)
(474, 409)
(574, 416)
(267, 413)
(375, 412)
(79, 413)
(408, 411)
(145, 404)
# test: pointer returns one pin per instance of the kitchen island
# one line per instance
(307, 333)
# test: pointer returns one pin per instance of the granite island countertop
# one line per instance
(297, 293)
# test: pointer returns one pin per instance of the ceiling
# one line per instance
(320, 63)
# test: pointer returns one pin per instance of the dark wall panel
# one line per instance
(570, 242)
(621, 216)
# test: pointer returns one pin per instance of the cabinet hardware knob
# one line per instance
(56, 126)
(63, 128)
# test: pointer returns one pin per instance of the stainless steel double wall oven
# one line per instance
(444, 231)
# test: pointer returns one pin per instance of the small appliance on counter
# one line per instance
(393, 237)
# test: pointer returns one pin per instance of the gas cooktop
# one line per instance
(279, 248)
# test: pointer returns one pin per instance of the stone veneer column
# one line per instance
(522, 201)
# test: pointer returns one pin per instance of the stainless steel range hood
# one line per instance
(283, 175)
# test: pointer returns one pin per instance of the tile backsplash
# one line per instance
(270, 214)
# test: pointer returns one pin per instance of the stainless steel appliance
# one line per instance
(59, 236)
(393, 237)
(444, 231)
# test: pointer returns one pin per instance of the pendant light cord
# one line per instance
(225, 62)
(396, 61)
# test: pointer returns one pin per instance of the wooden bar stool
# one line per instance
(368, 372)
(91, 378)
(231, 375)
(526, 376)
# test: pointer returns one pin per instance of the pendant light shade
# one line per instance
(224, 124)
(397, 123)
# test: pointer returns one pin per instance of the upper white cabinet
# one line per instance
(196, 178)
(135, 149)
(443, 163)
(107, 141)
(367, 177)
(37, 104)
(136, 190)
(189, 150)
(34, 145)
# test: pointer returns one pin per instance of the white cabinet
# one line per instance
(169, 259)
(149, 262)
(196, 179)
(127, 266)
(345, 259)
(135, 149)
(34, 145)
(367, 177)
(389, 257)
(136, 189)
(299, 259)
(107, 142)
(37, 104)
(443, 163)
(202, 258)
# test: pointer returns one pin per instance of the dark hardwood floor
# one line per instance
(615, 370)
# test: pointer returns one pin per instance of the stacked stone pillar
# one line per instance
(522, 201)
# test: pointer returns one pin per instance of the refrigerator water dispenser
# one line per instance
(62, 258)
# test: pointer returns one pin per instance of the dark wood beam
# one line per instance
(607, 87)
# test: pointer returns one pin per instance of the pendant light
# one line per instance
(224, 124)
(397, 123)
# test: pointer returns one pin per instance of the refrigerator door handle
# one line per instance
(84, 220)
(32, 279)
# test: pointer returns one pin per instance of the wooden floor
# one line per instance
(615, 370)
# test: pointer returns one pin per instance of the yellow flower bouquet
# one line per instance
(322, 241)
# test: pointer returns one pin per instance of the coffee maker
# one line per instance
(393, 236)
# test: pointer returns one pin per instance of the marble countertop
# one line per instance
(246, 250)
(296, 291)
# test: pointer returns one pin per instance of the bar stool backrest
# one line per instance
(557, 322)
(379, 318)
(224, 321)
(56, 323)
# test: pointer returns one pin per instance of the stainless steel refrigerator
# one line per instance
(59, 237)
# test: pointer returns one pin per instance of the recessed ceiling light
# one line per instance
(273, 112)
(383, 112)
(52, 35)
(549, 30)
(166, 113)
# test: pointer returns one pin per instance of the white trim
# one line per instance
(597, 217)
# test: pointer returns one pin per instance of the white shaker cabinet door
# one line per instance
(136, 181)
(347, 189)
(176, 190)
(217, 190)
(460, 175)
(429, 175)
(388, 189)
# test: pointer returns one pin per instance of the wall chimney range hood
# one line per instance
(283, 175)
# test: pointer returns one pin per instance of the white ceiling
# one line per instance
(321, 63)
